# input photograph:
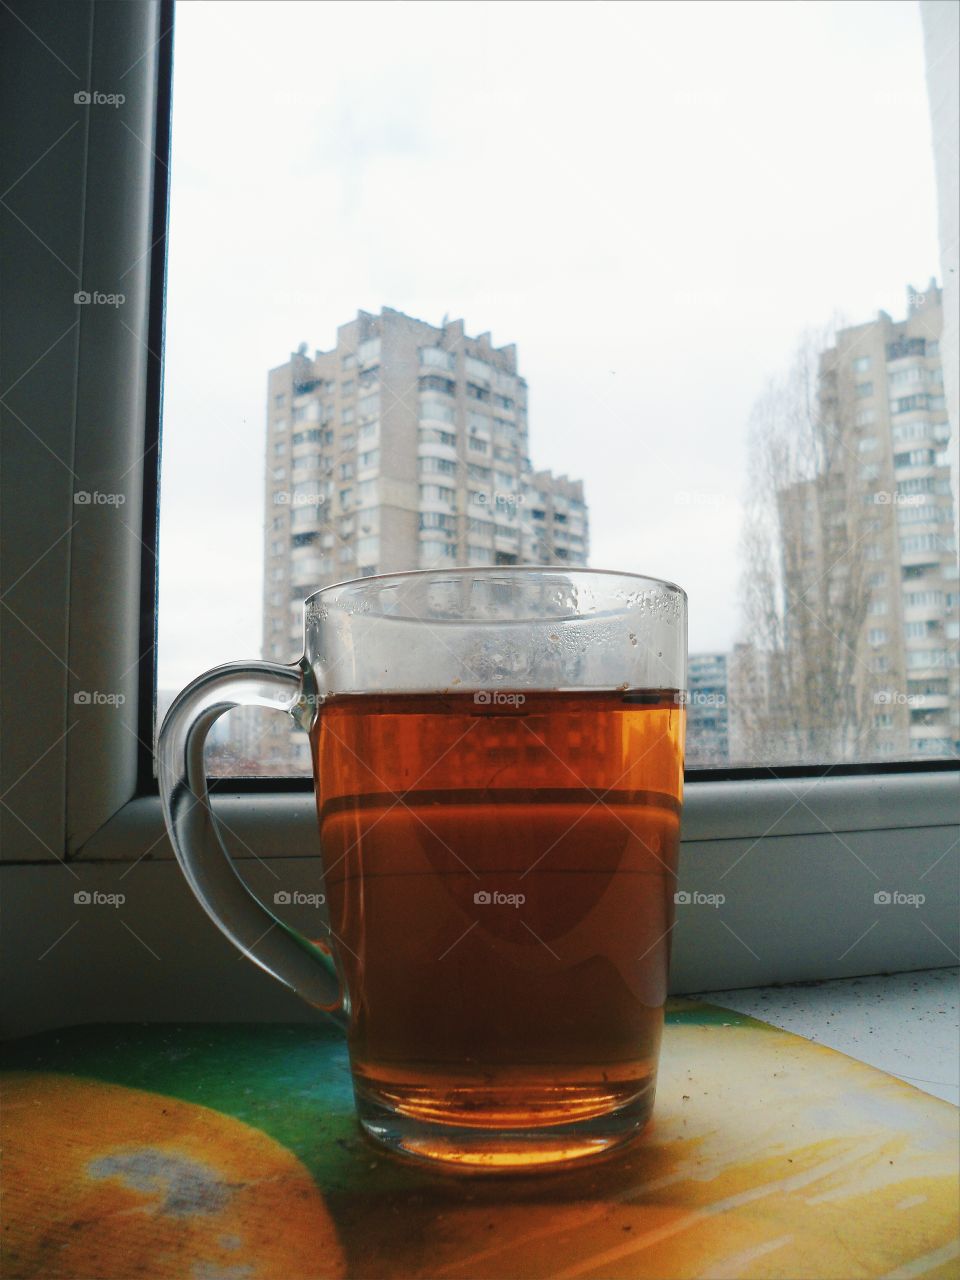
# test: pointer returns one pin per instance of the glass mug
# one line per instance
(498, 762)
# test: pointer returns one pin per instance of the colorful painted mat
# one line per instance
(231, 1153)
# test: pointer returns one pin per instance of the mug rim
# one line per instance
(499, 570)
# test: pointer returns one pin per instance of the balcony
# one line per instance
(929, 701)
(434, 449)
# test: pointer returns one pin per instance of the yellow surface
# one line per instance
(768, 1157)
(101, 1181)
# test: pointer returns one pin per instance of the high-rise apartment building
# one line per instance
(403, 447)
(882, 400)
(707, 739)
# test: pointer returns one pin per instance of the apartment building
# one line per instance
(882, 394)
(403, 447)
(707, 743)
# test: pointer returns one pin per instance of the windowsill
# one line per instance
(903, 1023)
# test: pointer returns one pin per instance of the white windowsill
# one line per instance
(904, 1023)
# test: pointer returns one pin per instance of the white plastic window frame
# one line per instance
(797, 859)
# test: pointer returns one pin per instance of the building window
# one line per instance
(433, 435)
(441, 466)
(907, 404)
(368, 408)
(863, 389)
(368, 351)
(431, 407)
(437, 493)
(437, 358)
(437, 520)
(433, 383)
(862, 364)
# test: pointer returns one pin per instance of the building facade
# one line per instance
(707, 741)
(404, 447)
(882, 395)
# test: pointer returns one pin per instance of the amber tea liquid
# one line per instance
(500, 871)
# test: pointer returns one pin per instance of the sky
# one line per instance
(652, 200)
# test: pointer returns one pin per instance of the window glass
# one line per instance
(526, 294)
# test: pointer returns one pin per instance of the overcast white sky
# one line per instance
(651, 200)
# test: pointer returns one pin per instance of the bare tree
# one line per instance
(802, 686)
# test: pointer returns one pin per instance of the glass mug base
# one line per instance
(470, 1132)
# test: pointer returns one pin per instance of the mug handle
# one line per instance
(273, 945)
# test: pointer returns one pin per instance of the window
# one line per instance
(437, 493)
(368, 352)
(368, 408)
(442, 466)
(920, 515)
(437, 520)
(907, 404)
(386, 380)
(927, 542)
(432, 383)
(439, 410)
(914, 458)
(432, 435)
(437, 358)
